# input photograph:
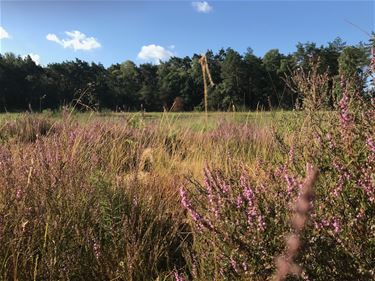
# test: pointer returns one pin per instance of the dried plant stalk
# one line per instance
(285, 262)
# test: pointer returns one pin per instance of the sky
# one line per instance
(149, 31)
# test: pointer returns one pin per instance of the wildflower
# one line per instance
(367, 184)
(184, 200)
(208, 181)
(370, 144)
(197, 218)
(233, 263)
(344, 176)
(345, 116)
(96, 249)
(177, 276)
(244, 266)
(331, 143)
(223, 185)
(291, 182)
(239, 201)
(248, 194)
(261, 223)
(19, 194)
(336, 225)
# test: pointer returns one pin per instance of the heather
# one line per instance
(239, 196)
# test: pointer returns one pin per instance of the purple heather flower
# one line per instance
(367, 184)
(345, 116)
(244, 266)
(19, 194)
(371, 144)
(336, 225)
(261, 223)
(239, 201)
(331, 143)
(324, 223)
(177, 276)
(184, 199)
(248, 194)
(291, 182)
(223, 185)
(209, 182)
(96, 249)
(197, 218)
(234, 264)
(344, 176)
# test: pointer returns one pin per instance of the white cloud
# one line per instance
(154, 53)
(3, 33)
(202, 7)
(53, 37)
(76, 40)
(34, 57)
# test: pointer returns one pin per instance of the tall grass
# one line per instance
(97, 199)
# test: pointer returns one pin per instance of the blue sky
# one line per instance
(115, 31)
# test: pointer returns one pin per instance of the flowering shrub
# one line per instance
(345, 207)
(240, 219)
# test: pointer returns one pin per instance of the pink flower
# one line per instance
(197, 218)
(336, 225)
(177, 276)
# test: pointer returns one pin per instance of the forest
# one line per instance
(242, 81)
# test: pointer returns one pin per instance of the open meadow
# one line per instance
(176, 196)
(185, 140)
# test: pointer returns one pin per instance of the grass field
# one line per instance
(173, 196)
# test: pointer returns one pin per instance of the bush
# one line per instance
(240, 218)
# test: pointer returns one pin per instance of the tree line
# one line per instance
(241, 81)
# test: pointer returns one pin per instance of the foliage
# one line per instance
(242, 81)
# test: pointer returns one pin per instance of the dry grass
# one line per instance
(96, 196)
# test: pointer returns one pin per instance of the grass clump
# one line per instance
(26, 128)
(68, 213)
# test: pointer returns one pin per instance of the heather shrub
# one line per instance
(240, 220)
(344, 214)
(241, 215)
(26, 128)
(312, 86)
